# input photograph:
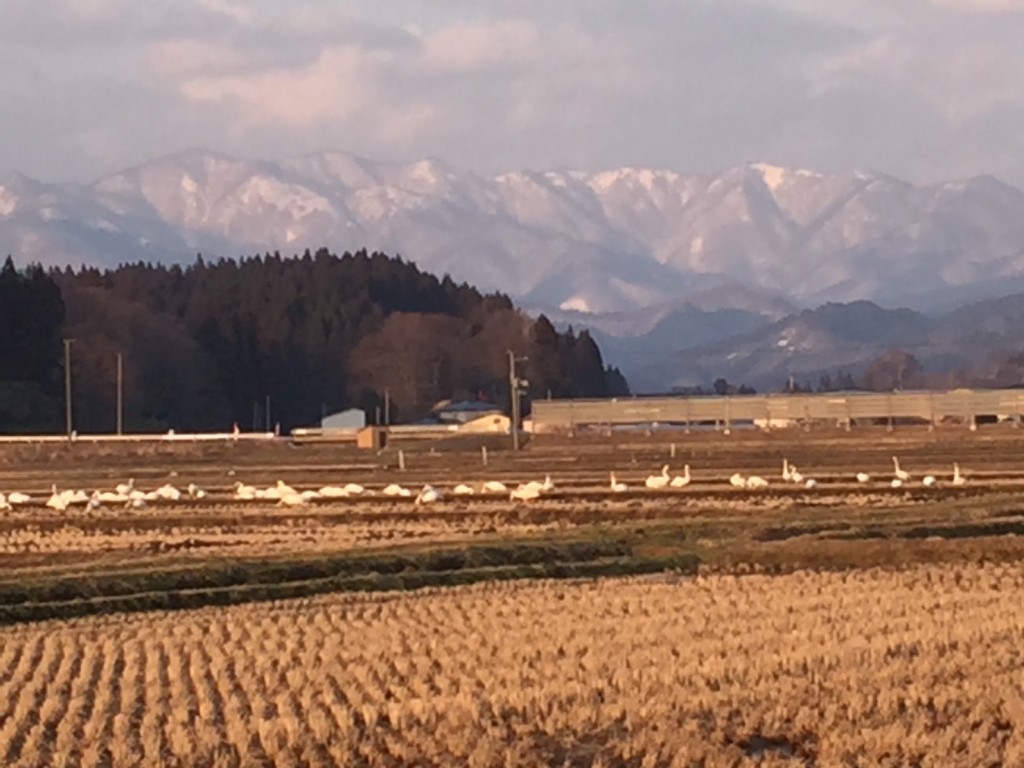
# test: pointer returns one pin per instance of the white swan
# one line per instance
(292, 499)
(796, 476)
(494, 486)
(354, 489)
(246, 492)
(16, 497)
(333, 492)
(616, 486)
(928, 481)
(543, 487)
(756, 482)
(463, 490)
(738, 481)
(683, 480)
(167, 492)
(958, 479)
(811, 483)
(525, 493)
(125, 488)
(393, 489)
(896, 483)
(57, 501)
(658, 481)
(195, 492)
(428, 495)
(900, 473)
(787, 473)
(863, 477)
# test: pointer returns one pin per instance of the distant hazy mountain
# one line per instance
(594, 242)
(848, 336)
(653, 260)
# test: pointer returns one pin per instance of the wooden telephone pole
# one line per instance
(515, 388)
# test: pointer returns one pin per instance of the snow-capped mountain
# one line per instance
(614, 241)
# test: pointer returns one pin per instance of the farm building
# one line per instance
(351, 419)
(447, 412)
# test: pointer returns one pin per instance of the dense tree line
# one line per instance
(212, 344)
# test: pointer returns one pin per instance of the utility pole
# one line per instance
(120, 393)
(515, 385)
(67, 385)
(266, 411)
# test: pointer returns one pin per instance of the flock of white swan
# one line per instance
(127, 495)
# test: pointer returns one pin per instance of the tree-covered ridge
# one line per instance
(209, 345)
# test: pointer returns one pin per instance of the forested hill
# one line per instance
(205, 346)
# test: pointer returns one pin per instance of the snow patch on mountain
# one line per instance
(615, 240)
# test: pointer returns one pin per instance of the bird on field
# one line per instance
(928, 481)
(958, 479)
(292, 499)
(57, 501)
(896, 483)
(125, 488)
(525, 493)
(616, 486)
(135, 502)
(795, 476)
(16, 498)
(428, 495)
(683, 480)
(168, 492)
(353, 489)
(900, 474)
(309, 495)
(738, 481)
(245, 492)
(786, 470)
(863, 477)
(463, 490)
(810, 483)
(4, 506)
(195, 492)
(393, 489)
(494, 486)
(658, 481)
(333, 492)
(755, 482)
(544, 487)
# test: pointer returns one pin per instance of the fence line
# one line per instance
(161, 437)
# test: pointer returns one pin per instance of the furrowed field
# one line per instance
(851, 623)
(915, 667)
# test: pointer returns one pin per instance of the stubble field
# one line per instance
(851, 623)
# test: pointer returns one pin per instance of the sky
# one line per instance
(926, 90)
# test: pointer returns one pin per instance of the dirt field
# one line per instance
(58, 561)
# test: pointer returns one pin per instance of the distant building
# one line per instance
(447, 412)
(352, 419)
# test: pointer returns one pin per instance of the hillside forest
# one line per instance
(268, 340)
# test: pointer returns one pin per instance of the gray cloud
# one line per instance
(922, 88)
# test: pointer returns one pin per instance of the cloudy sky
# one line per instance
(923, 89)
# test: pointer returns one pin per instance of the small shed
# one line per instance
(352, 419)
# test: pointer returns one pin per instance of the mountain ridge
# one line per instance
(606, 241)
